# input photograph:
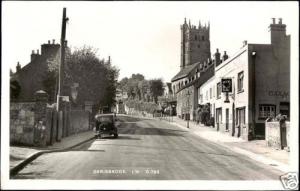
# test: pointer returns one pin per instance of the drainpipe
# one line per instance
(253, 92)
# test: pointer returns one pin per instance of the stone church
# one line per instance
(196, 66)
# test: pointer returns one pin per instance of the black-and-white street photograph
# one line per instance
(150, 95)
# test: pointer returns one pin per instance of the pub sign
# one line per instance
(226, 85)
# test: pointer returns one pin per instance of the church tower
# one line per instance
(195, 43)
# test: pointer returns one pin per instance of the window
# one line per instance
(219, 115)
(206, 95)
(202, 37)
(219, 90)
(196, 37)
(210, 93)
(201, 98)
(240, 116)
(198, 45)
(240, 81)
(266, 110)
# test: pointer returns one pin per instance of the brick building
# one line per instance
(32, 76)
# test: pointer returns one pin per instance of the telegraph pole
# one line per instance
(62, 58)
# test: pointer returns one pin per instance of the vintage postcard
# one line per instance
(150, 95)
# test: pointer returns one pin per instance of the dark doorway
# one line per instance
(227, 119)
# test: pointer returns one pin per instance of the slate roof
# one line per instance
(184, 72)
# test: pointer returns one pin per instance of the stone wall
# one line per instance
(273, 134)
(277, 134)
(79, 121)
(22, 121)
(28, 121)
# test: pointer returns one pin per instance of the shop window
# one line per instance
(240, 82)
(240, 116)
(219, 90)
(266, 110)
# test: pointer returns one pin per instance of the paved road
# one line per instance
(148, 149)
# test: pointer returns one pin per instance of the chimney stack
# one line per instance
(273, 19)
(217, 57)
(225, 56)
(34, 55)
(18, 67)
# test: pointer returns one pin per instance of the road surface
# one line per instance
(149, 150)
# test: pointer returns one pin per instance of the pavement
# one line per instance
(255, 149)
(21, 156)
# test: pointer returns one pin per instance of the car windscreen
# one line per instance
(108, 119)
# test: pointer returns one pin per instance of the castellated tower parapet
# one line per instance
(195, 43)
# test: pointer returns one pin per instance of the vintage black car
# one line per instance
(105, 125)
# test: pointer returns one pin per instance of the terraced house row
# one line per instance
(257, 75)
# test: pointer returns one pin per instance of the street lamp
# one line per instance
(188, 108)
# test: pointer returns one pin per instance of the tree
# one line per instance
(97, 79)
(156, 88)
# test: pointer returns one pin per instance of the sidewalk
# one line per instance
(19, 155)
(256, 149)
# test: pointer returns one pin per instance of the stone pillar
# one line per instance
(41, 98)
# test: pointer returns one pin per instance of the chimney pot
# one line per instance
(48, 41)
(245, 43)
(37, 51)
(53, 41)
(273, 20)
(280, 21)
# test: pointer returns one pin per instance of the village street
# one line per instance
(148, 149)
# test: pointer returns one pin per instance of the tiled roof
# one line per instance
(184, 72)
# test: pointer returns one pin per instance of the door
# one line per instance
(233, 119)
(218, 117)
(227, 119)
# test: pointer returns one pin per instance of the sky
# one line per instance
(140, 37)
